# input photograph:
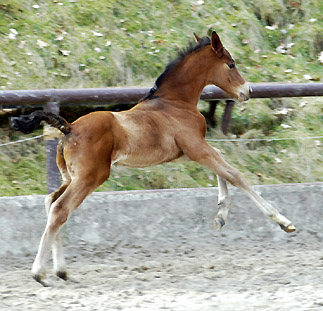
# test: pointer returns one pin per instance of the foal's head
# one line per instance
(224, 73)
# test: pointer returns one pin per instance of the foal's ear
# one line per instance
(197, 38)
(216, 44)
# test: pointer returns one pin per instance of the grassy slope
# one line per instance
(108, 43)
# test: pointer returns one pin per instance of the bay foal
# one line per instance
(163, 127)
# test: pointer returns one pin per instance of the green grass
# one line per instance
(75, 44)
(128, 43)
(23, 165)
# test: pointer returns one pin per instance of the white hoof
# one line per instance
(219, 223)
(289, 228)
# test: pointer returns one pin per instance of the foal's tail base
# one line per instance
(28, 123)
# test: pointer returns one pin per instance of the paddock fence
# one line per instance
(52, 99)
(133, 94)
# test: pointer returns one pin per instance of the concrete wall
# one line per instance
(161, 217)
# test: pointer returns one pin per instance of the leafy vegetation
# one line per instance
(87, 43)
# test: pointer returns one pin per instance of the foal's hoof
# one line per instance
(62, 275)
(289, 228)
(219, 223)
(40, 279)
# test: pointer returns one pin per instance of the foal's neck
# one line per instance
(186, 81)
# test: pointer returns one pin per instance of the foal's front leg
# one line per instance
(224, 203)
(202, 153)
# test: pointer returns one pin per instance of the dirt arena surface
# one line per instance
(216, 275)
(169, 256)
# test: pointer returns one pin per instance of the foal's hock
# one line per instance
(164, 126)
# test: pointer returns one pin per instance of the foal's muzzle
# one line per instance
(245, 92)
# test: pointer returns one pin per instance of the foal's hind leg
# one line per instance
(57, 247)
(59, 213)
(199, 151)
(90, 167)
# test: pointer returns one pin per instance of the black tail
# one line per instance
(28, 124)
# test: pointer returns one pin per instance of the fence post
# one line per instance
(210, 115)
(53, 175)
(227, 116)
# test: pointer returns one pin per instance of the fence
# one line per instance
(133, 94)
(51, 99)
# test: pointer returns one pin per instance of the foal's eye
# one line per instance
(231, 66)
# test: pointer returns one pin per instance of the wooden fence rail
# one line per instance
(53, 98)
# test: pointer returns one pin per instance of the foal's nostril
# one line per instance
(244, 96)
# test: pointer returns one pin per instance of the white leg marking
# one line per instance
(58, 256)
(212, 159)
(224, 203)
(38, 268)
(269, 210)
(57, 246)
(50, 238)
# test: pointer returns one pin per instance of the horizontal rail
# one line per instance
(133, 94)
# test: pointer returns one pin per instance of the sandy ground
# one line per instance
(158, 250)
(221, 274)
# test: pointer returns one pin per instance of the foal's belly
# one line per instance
(148, 158)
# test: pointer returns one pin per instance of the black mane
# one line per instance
(192, 47)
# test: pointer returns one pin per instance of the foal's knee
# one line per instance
(234, 177)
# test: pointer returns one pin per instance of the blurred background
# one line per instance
(78, 44)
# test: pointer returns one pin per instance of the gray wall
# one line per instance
(161, 217)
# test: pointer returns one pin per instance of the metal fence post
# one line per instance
(227, 116)
(53, 175)
(210, 115)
